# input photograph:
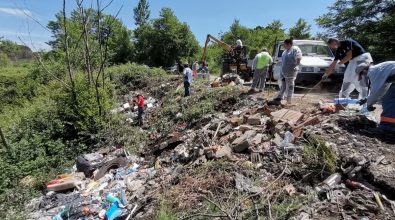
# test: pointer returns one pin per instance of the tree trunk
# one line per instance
(69, 70)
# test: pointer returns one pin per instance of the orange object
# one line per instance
(328, 108)
(387, 119)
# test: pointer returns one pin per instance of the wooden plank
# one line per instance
(287, 115)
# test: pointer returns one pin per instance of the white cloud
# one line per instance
(16, 12)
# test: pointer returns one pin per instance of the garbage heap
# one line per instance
(247, 161)
(130, 111)
(227, 79)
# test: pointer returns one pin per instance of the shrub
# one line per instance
(132, 76)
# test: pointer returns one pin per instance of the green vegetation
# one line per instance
(319, 156)
(10, 51)
(165, 212)
(301, 30)
(289, 205)
(190, 109)
(164, 41)
(141, 13)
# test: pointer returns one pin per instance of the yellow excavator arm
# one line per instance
(221, 44)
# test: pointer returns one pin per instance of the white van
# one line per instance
(316, 59)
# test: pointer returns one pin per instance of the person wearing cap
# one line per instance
(260, 66)
(380, 79)
(187, 79)
(351, 53)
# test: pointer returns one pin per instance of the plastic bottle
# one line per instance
(114, 211)
(344, 101)
(287, 139)
(110, 198)
(61, 214)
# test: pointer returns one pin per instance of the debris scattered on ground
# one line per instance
(245, 161)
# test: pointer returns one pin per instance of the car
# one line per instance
(173, 69)
(316, 59)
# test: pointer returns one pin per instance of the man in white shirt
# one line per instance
(187, 79)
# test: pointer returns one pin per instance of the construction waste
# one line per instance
(248, 160)
(227, 79)
(131, 111)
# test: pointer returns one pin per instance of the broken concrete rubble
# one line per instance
(287, 115)
(242, 143)
(198, 163)
(254, 119)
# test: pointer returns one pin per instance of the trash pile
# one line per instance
(101, 186)
(227, 79)
(249, 159)
(130, 110)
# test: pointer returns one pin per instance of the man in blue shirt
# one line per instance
(382, 86)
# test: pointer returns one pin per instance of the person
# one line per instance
(349, 52)
(204, 71)
(239, 43)
(140, 109)
(195, 68)
(187, 79)
(381, 82)
(291, 58)
(205, 67)
(260, 66)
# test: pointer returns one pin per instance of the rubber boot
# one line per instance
(276, 102)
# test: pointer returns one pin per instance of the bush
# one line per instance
(4, 60)
(132, 76)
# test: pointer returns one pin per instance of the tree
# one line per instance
(255, 38)
(141, 13)
(276, 25)
(164, 41)
(371, 22)
(112, 30)
(301, 30)
(236, 31)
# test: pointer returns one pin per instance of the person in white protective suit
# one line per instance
(351, 53)
(380, 79)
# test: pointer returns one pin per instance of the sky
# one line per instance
(24, 21)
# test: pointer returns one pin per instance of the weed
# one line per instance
(165, 212)
(319, 156)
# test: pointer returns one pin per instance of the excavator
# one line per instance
(235, 61)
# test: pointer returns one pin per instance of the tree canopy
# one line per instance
(112, 31)
(301, 30)
(371, 22)
(255, 38)
(164, 40)
(141, 13)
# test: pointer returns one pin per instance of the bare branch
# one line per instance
(39, 59)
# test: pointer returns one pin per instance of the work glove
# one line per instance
(366, 110)
(296, 69)
(371, 108)
(325, 77)
(362, 101)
